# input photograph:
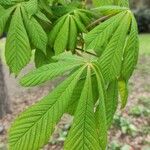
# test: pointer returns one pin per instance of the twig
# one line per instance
(98, 21)
(86, 52)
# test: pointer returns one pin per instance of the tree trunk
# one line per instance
(4, 103)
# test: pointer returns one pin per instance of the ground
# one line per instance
(131, 127)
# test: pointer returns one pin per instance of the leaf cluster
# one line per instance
(96, 47)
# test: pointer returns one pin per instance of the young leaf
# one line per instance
(130, 56)
(18, 51)
(111, 59)
(64, 34)
(48, 72)
(36, 33)
(32, 129)
(83, 134)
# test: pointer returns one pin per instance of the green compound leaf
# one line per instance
(32, 128)
(18, 51)
(63, 35)
(83, 134)
(94, 82)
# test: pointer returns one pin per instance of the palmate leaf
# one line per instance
(83, 134)
(64, 34)
(93, 84)
(35, 31)
(111, 59)
(48, 72)
(32, 128)
(18, 51)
